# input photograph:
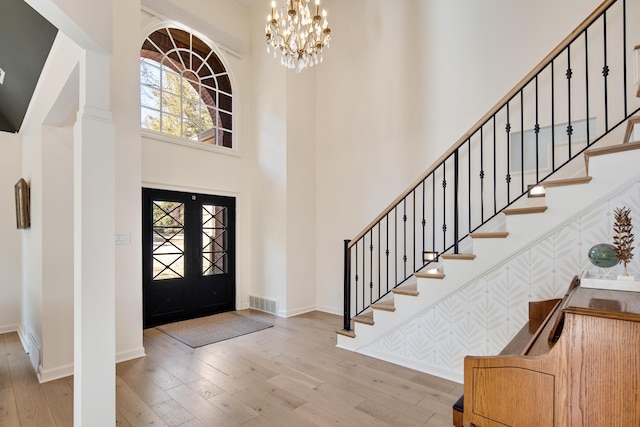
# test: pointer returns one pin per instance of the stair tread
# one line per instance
(411, 290)
(387, 305)
(468, 257)
(490, 235)
(630, 124)
(366, 318)
(610, 149)
(525, 210)
(568, 181)
(428, 275)
(350, 334)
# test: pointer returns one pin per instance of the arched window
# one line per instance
(185, 90)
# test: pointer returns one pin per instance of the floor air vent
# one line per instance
(34, 352)
(263, 304)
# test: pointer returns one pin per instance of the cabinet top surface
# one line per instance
(608, 303)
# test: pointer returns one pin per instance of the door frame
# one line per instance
(231, 202)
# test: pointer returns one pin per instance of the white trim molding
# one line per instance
(166, 10)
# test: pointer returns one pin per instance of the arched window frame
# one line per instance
(213, 53)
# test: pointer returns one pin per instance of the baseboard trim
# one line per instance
(296, 312)
(330, 310)
(46, 375)
(447, 374)
(8, 328)
(124, 356)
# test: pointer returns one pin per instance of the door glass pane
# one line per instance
(168, 240)
(214, 240)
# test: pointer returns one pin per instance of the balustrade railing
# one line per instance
(578, 94)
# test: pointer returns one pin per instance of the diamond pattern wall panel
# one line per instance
(481, 318)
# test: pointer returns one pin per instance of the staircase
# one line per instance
(462, 298)
(522, 229)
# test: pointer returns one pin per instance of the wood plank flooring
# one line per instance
(288, 375)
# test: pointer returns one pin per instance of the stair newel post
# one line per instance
(347, 286)
(456, 207)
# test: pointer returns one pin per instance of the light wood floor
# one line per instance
(288, 375)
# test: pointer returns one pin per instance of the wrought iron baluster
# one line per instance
(624, 57)
(379, 259)
(569, 75)
(456, 203)
(605, 72)
(444, 204)
(537, 132)
(424, 220)
(433, 210)
(507, 129)
(495, 169)
(347, 287)
(469, 183)
(481, 175)
(553, 118)
(404, 238)
(387, 251)
(521, 142)
(586, 79)
(356, 276)
(371, 266)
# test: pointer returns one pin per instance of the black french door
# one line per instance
(188, 255)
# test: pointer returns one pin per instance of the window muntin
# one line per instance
(185, 91)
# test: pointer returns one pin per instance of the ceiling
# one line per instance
(25, 41)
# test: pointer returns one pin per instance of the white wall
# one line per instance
(268, 157)
(301, 192)
(126, 117)
(43, 151)
(57, 250)
(179, 166)
(400, 84)
(11, 237)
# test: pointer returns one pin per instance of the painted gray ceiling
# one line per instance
(25, 41)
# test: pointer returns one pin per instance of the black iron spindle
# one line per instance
(371, 266)
(495, 169)
(569, 75)
(507, 129)
(347, 287)
(537, 134)
(444, 204)
(456, 202)
(586, 79)
(624, 57)
(605, 72)
(469, 183)
(404, 238)
(521, 142)
(481, 175)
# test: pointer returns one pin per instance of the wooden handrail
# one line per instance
(517, 88)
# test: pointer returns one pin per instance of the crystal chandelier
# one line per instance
(299, 36)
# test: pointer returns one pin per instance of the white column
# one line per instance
(94, 251)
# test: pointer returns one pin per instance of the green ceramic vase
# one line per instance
(603, 255)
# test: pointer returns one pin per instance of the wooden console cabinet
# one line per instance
(579, 367)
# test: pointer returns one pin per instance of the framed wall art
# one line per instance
(23, 217)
